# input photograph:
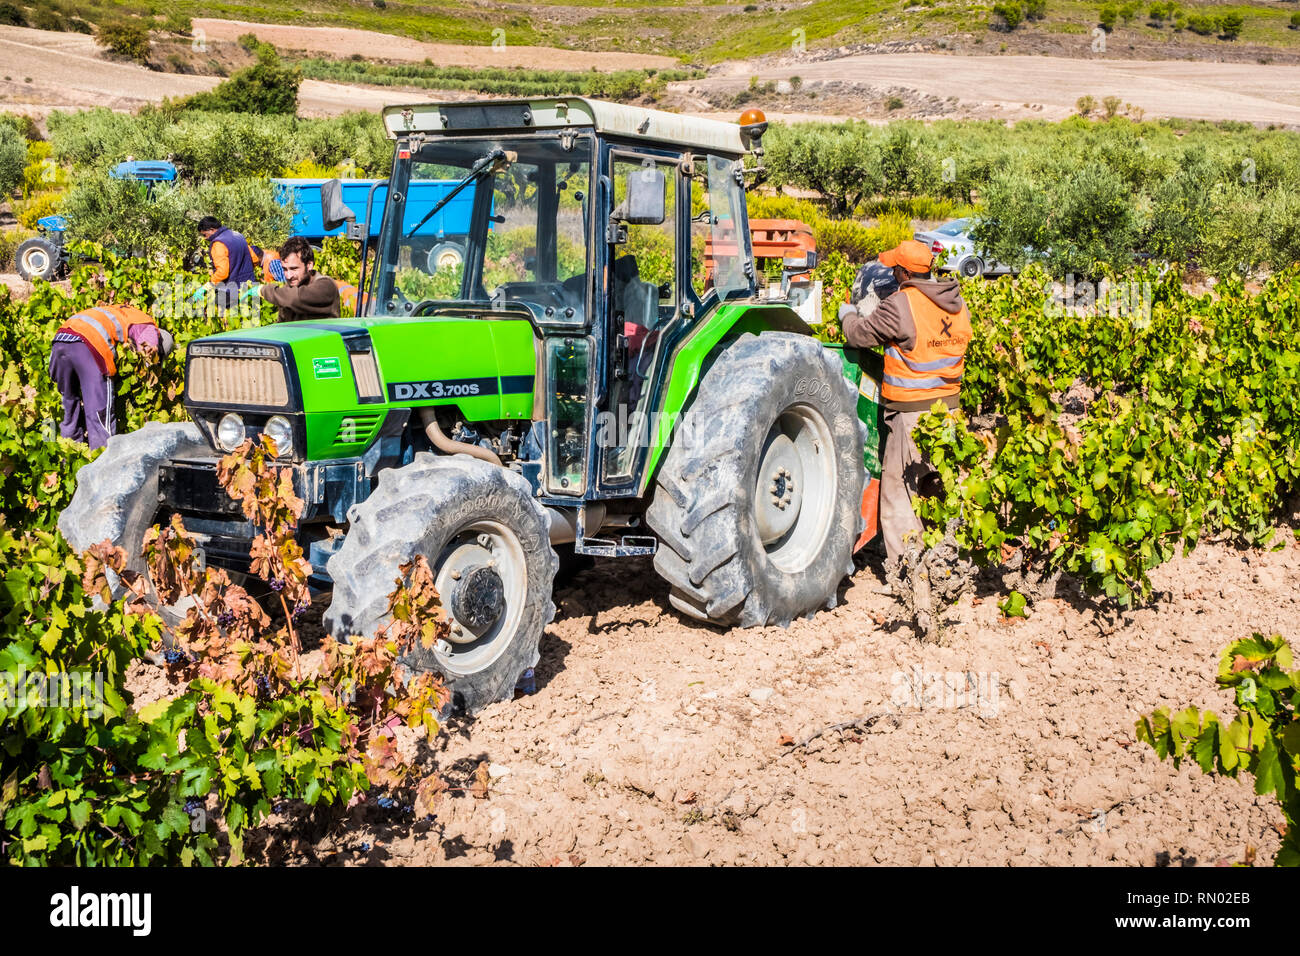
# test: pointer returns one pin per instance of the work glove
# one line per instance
(846, 308)
(201, 292)
(251, 292)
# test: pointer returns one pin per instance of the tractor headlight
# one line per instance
(281, 432)
(230, 431)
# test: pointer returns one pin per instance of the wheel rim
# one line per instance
(36, 261)
(445, 257)
(795, 489)
(971, 268)
(482, 557)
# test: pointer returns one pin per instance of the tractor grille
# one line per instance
(237, 381)
(356, 428)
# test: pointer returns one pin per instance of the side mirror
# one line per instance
(646, 200)
(808, 261)
(333, 212)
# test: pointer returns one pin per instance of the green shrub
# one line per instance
(1295, 20)
(1035, 9)
(1230, 24)
(177, 22)
(1202, 24)
(13, 158)
(11, 16)
(1107, 16)
(265, 88)
(117, 213)
(1085, 105)
(30, 211)
(1010, 12)
(1263, 739)
(10, 240)
(22, 124)
(1081, 219)
(129, 38)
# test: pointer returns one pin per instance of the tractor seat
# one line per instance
(637, 301)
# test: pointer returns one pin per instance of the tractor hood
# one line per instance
(338, 379)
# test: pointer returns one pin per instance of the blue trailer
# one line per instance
(46, 256)
(442, 238)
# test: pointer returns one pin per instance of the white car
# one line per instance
(963, 257)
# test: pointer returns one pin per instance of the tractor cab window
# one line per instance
(719, 262)
(515, 232)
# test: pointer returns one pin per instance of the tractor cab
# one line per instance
(615, 231)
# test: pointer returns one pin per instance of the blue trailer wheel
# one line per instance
(445, 255)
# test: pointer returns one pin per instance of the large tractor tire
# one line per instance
(487, 541)
(758, 502)
(117, 497)
(38, 259)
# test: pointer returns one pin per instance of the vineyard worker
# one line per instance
(925, 329)
(305, 294)
(268, 261)
(83, 361)
(232, 260)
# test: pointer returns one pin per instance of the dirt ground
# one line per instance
(1017, 87)
(653, 740)
(343, 42)
(41, 71)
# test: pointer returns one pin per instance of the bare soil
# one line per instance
(1012, 87)
(343, 42)
(843, 739)
(42, 71)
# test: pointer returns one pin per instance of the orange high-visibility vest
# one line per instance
(933, 368)
(103, 326)
(267, 257)
(347, 296)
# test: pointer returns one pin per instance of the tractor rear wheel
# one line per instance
(487, 541)
(758, 502)
(117, 497)
(37, 259)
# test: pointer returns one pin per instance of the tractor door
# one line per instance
(643, 302)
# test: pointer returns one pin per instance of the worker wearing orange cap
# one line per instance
(925, 329)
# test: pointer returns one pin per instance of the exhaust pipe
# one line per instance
(445, 444)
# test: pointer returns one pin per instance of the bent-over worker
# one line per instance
(83, 361)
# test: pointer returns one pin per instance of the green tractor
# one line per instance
(587, 379)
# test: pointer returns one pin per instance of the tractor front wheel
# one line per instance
(487, 541)
(117, 498)
(758, 502)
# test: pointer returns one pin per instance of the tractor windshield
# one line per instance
(515, 235)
